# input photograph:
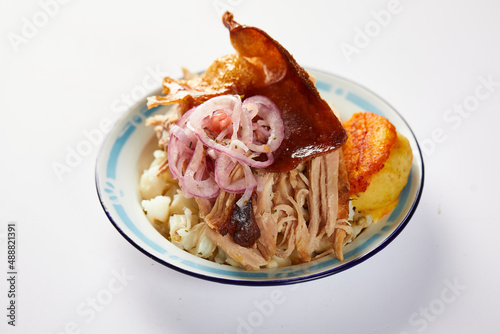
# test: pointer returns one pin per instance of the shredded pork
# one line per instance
(301, 214)
(266, 244)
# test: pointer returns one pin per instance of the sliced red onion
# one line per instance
(203, 160)
(252, 108)
(180, 133)
(246, 126)
(193, 183)
(224, 134)
(268, 112)
(175, 153)
(208, 108)
(223, 168)
(232, 151)
(250, 185)
(182, 121)
(212, 153)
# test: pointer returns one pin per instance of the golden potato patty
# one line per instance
(378, 160)
(369, 142)
(381, 196)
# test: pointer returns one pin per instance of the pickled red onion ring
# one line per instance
(203, 159)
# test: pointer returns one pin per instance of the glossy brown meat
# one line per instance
(242, 225)
(311, 128)
(263, 67)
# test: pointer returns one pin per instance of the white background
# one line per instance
(78, 68)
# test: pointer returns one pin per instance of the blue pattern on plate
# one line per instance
(364, 104)
(321, 85)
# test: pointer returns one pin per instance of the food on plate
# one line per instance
(378, 161)
(254, 169)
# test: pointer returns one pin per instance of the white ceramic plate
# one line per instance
(127, 151)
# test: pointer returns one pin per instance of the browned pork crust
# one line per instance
(370, 139)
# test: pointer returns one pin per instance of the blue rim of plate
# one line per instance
(285, 280)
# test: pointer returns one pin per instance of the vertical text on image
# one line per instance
(12, 273)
